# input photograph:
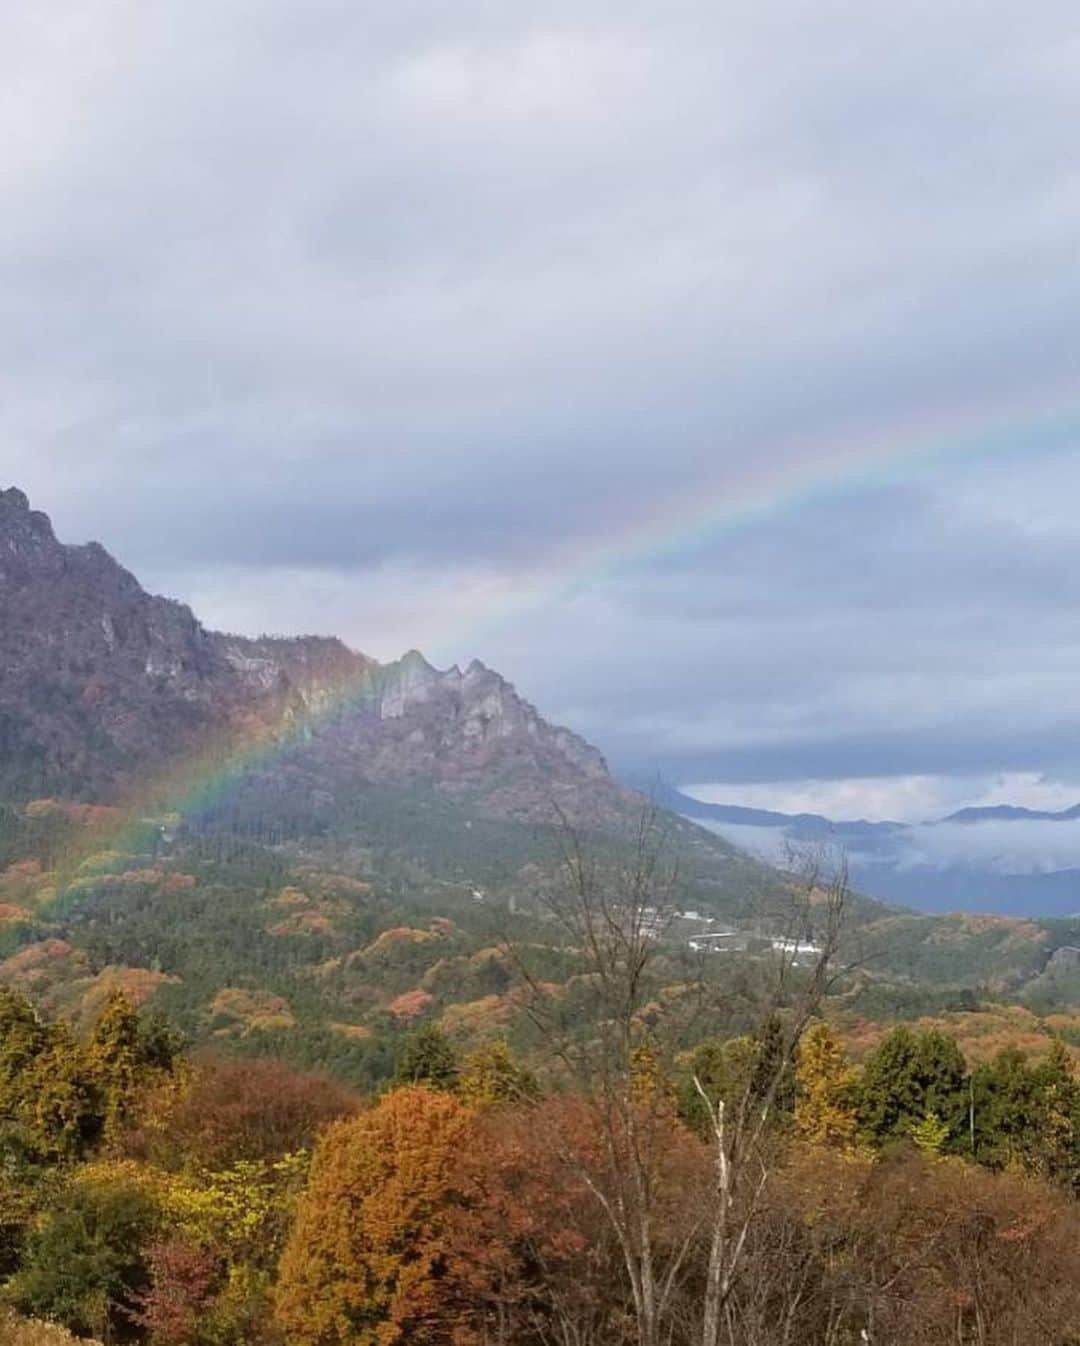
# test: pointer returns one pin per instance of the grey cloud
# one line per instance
(771, 844)
(999, 848)
(344, 318)
(1022, 847)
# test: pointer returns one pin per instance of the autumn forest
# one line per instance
(617, 1188)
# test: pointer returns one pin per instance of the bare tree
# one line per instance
(614, 906)
(805, 953)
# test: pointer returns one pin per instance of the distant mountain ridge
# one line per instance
(810, 823)
(754, 817)
(994, 858)
(1012, 813)
(101, 683)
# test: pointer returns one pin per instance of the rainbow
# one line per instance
(796, 475)
(202, 779)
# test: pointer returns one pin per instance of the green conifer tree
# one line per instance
(427, 1057)
(909, 1076)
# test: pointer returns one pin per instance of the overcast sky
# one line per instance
(420, 323)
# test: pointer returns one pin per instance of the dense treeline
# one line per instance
(151, 1197)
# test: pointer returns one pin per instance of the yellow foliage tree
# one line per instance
(239, 1213)
(236, 1220)
(650, 1085)
(367, 1250)
(114, 1060)
(824, 1112)
(490, 1076)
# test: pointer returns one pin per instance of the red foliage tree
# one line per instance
(234, 1110)
(182, 1278)
(534, 1256)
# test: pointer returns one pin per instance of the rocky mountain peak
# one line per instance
(101, 682)
(409, 682)
(28, 545)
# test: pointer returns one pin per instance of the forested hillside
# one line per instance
(622, 1188)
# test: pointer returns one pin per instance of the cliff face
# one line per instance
(470, 733)
(102, 683)
(477, 712)
(96, 676)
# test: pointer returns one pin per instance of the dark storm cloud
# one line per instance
(339, 317)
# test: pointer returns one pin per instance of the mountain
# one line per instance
(1005, 859)
(286, 844)
(101, 683)
(296, 850)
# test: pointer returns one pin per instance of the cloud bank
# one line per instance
(380, 321)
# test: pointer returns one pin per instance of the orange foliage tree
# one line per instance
(367, 1253)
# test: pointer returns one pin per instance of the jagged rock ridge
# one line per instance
(101, 683)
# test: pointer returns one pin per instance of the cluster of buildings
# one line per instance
(737, 941)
